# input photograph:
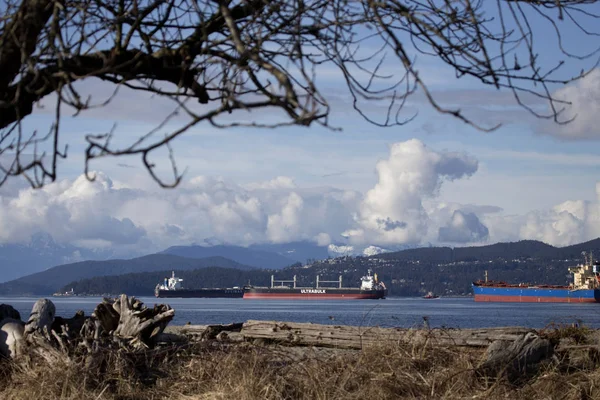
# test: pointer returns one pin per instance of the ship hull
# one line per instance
(200, 293)
(314, 294)
(534, 295)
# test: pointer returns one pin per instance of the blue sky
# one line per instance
(330, 186)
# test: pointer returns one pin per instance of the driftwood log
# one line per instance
(512, 352)
(210, 332)
(351, 337)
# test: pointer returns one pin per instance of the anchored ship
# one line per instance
(172, 287)
(370, 288)
(584, 289)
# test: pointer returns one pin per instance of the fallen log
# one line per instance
(353, 337)
(209, 332)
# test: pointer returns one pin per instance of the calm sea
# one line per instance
(391, 312)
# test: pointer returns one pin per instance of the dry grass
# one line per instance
(247, 371)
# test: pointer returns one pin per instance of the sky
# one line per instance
(433, 181)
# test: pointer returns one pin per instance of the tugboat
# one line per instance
(430, 295)
(172, 287)
(370, 288)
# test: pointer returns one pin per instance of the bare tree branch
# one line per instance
(217, 60)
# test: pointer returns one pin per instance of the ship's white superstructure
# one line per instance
(586, 275)
(172, 283)
(370, 282)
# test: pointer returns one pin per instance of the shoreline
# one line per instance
(127, 350)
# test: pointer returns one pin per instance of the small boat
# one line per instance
(430, 295)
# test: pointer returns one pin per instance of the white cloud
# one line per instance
(584, 96)
(567, 223)
(70, 212)
(463, 228)
(401, 208)
(101, 214)
(392, 212)
(322, 239)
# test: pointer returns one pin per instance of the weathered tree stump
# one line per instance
(516, 359)
(141, 323)
(69, 327)
(41, 317)
(107, 316)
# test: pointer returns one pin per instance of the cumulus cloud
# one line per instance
(463, 228)
(567, 223)
(584, 96)
(392, 211)
(401, 208)
(71, 212)
(101, 213)
(570, 222)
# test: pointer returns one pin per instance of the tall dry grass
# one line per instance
(247, 371)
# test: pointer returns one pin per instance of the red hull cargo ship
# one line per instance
(584, 289)
(370, 288)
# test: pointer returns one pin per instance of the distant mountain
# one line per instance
(406, 272)
(298, 251)
(49, 281)
(40, 253)
(523, 249)
(343, 250)
(243, 255)
(142, 284)
(575, 250)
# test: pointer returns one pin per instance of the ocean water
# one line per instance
(391, 312)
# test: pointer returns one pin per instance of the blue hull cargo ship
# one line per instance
(584, 289)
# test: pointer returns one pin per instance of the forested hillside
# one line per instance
(445, 271)
(49, 281)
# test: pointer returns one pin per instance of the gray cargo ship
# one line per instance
(172, 287)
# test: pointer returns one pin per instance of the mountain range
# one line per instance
(445, 270)
(506, 251)
(255, 258)
(185, 258)
(42, 252)
(50, 280)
